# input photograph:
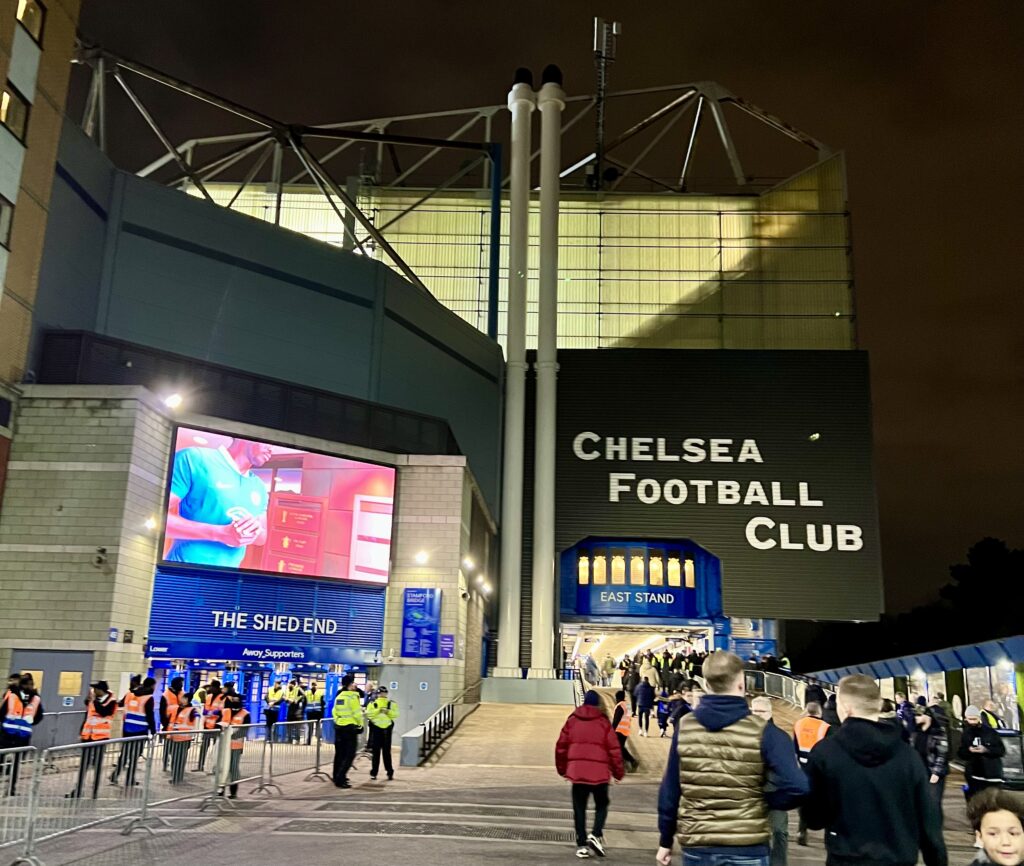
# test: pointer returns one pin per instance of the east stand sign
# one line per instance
(763, 458)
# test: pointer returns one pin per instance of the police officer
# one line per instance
(272, 711)
(348, 724)
(20, 711)
(295, 701)
(381, 712)
(316, 704)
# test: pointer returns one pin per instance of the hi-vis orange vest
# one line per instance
(808, 732)
(625, 724)
(182, 724)
(238, 717)
(173, 701)
(212, 710)
(20, 716)
(97, 727)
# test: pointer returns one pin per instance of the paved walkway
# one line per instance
(492, 797)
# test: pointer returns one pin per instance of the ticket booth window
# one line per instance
(689, 574)
(674, 573)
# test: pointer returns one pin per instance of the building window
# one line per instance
(32, 15)
(6, 217)
(14, 112)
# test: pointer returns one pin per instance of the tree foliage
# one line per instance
(983, 600)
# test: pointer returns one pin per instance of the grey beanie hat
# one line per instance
(972, 711)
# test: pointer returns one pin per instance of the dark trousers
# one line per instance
(128, 760)
(210, 738)
(311, 723)
(626, 756)
(178, 753)
(779, 823)
(937, 790)
(644, 722)
(270, 717)
(345, 739)
(92, 759)
(632, 703)
(11, 764)
(580, 794)
(380, 742)
(234, 772)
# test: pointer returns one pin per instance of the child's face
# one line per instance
(1002, 837)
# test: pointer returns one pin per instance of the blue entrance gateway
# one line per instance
(658, 582)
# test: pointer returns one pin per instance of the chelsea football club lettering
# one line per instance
(761, 532)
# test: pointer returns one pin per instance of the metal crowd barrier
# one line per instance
(49, 793)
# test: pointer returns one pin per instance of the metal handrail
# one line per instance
(438, 726)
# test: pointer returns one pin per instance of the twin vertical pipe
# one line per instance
(551, 102)
(521, 102)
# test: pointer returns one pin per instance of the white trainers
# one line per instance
(597, 843)
(583, 853)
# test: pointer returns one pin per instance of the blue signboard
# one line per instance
(421, 623)
(263, 618)
(624, 601)
(447, 646)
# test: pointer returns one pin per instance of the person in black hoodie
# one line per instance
(869, 791)
(931, 742)
(982, 752)
(829, 713)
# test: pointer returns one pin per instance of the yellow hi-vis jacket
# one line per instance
(347, 710)
(382, 712)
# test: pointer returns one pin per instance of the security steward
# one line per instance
(348, 724)
(170, 700)
(272, 712)
(182, 731)
(232, 718)
(808, 731)
(139, 721)
(20, 711)
(316, 705)
(213, 704)
(96, 731)
(295, 703)
(381, 713)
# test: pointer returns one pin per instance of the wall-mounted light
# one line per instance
(468, 563)
(486, 589)
(150, 523)
(814, 437)
(173, 401)
(422, 557)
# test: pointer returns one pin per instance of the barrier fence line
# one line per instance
(15, 793)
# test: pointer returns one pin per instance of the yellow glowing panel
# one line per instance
(618, 569)
(70, 683)
(636, 571)
(584, 570)
(691, 578)
(657, 569)
(673, 571)
(600, 570)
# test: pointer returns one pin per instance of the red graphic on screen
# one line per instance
(236, 503)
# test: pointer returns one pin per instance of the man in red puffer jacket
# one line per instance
(588, 755)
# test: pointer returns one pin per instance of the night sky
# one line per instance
(924, 97)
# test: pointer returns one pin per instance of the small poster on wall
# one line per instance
(421, 623)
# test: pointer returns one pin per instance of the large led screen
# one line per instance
(245, 504)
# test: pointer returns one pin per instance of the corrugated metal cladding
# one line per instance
(778, 399)
(183, 601)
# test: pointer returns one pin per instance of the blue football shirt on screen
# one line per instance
(209, 485)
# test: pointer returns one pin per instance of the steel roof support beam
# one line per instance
(164, 140)
(211, 168)
(347, 232)
(727, 142)
(295, 139)
(327, 157)
(692, 144)
(253, 171)
(650, 146)
(781, 126)
(435, 151)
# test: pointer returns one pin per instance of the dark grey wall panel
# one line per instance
(776, 398)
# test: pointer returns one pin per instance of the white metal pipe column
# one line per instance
(551, 102)
(521, 102)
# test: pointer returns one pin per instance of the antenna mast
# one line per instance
(605, 35)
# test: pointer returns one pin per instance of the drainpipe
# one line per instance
(521, 102)
(551, 102)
